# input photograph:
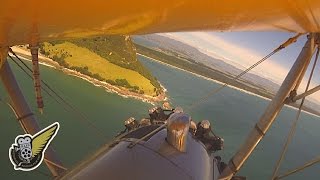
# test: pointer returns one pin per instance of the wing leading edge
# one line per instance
(30, 21)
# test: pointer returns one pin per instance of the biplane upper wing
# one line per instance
(24, 21)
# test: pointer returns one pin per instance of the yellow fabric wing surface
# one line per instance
(42, 139)
(29, 21)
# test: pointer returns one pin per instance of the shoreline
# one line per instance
(121, 91)
(206, 78)
(221, 83)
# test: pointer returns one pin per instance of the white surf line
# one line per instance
(221, 83)
(42, 63)
(108, 87)
(203, 77)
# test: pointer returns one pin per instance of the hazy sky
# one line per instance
(243, 49)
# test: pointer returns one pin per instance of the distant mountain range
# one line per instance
(179, 49)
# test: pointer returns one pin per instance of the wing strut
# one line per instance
(305, 94)
(272, 110)
(295, 122)
(24, 114)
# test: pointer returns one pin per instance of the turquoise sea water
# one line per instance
(232, 113)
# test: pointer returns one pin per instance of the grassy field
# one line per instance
(82, 57)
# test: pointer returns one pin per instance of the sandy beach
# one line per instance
(221, 83)
(122, 91)
(25, 55)
(203, 77)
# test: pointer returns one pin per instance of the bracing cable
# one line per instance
(214, 91)
(294, 124)
(66, 105)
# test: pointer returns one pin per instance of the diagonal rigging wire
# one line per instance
(24, 129)
(282, 46)
(308, 164)
(66, 106)
(294, 124)
(211, 93)
(15, 113)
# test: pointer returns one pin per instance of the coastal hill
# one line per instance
(111, 59)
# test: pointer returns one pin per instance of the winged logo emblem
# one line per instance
(27, 152)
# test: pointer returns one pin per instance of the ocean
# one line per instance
(233, 114)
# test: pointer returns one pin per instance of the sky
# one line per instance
(243, 49)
